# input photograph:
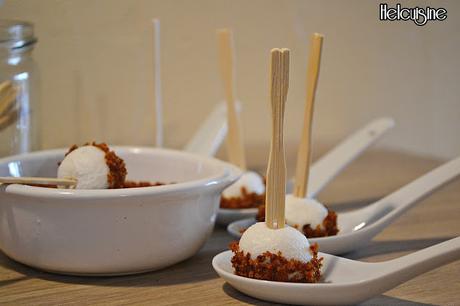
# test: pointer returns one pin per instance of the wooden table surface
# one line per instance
(193, 281)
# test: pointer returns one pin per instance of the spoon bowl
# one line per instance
(344, 281)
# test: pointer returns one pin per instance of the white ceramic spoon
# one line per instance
(339, 157)
(359, 226)
(212, 132)
(344, 281)
(210, 135)
(328, 166)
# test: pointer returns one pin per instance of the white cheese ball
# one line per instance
(250, 180)
(302, 211)
(259, 239)
(88, 166)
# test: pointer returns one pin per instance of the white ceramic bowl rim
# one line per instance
(228, 174)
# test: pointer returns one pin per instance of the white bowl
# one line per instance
(105, 232)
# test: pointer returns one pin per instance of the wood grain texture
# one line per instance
(8, 94)
(38, 181)
(304, 153)
(194, 282)
(235, 143)
(276, 170)
(9, 110)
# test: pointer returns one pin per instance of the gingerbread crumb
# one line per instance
(327, 228)
(275, 267)
(133, 184)
(247, 200)
(117, 169)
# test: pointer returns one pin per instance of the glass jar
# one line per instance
(19, 105)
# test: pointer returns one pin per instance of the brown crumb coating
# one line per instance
(275, 267)
(133, 184)
(247, 200)
(117, 174)
(127, 184)
(328, 228)
(117, 169)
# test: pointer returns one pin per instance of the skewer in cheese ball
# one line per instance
(270, 250)
(94, 166)
(306, 214)
(249, 190)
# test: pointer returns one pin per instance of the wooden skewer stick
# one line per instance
(235, 143)
(8, 96)
(276, 172)
(9, 113)
(39, 181)
(8, 119)
(157, 84)
(4, 86)
(304, 153)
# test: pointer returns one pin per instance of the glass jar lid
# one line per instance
(16, 34)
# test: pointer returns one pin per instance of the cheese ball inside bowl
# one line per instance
(112, 231)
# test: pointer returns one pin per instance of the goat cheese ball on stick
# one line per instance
(269, 250)
(94, 166)
(91, 166)
(306, 214)
(249, 190)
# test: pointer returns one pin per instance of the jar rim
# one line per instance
(15, 34)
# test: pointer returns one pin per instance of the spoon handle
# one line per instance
(334, 161)
(404, 198)
(406, 267)
(208, 138)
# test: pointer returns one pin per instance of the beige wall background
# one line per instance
(96, 67)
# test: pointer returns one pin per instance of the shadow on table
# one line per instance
(232, 292)
(10, 281)
(388, 300)
(195, 269)
(379, 300)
